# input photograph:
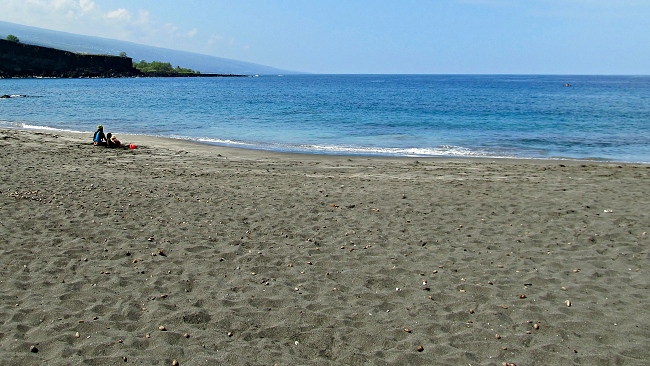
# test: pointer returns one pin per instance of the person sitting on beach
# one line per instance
(112, 140)
(99, 139)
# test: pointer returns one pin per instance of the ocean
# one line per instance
(603, 118)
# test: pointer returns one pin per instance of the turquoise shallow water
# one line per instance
(524, 116)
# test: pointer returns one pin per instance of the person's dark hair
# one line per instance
(108, 135)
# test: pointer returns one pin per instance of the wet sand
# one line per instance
(209, 255)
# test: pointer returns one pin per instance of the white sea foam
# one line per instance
(47, 128)
(442, 151)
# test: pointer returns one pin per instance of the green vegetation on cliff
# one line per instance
(158, 68)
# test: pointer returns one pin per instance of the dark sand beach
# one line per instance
(215, 256)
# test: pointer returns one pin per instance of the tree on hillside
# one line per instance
(122, 54)
(12, 38)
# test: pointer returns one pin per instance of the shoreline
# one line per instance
(211, 255)
(171, 141)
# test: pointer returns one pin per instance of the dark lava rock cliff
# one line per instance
(23, 60)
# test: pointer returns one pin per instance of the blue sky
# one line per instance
(373, 36)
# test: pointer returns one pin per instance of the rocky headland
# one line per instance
(24, 60)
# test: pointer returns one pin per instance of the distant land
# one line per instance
(103, 46)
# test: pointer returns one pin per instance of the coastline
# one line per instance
(280, 258)
(208, 147)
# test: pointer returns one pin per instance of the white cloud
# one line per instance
(120, 13)
(89, 18)
(171, 28)
(143, 17)
(215, 38)
(58, 4)
(87, 5)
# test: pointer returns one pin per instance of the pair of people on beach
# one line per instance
(108, 140)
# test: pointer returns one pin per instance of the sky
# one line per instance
(372, 36)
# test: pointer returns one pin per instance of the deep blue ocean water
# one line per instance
(521, 116)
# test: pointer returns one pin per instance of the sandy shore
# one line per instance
(207, 255)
